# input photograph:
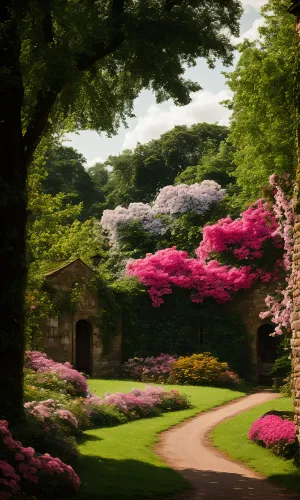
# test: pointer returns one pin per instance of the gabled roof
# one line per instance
(67, 264)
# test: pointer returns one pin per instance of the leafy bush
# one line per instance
(75, 382)
(202, 369)
(23, 472)
(152, 369)
(276, 433)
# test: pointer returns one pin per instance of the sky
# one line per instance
(152, 119)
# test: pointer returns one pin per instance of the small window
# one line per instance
(202, 337)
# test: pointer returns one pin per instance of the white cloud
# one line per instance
(255, 4)
(94, 161)
(252, 33)
(205, 107)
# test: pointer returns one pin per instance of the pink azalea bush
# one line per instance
(244, 238)
(171, 267)
(25, 472)
(140, 403)
(151, 369)
(75, 382)
(274, 432)
(51, 412)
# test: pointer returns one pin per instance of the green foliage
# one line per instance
(66, 174)
(263, 126)
(137, 175)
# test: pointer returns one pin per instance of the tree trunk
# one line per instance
(13, 218)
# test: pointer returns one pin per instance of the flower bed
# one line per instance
(276, 433)
(58, 406)
(137, 404)
(198, 369)
(149, 369)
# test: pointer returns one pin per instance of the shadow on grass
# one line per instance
(104, 478)
(134, 480)
(83, 438)
(212, 485)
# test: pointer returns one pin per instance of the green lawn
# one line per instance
(231, 437)
(119, 462)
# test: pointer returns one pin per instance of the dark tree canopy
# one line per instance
(66, 173)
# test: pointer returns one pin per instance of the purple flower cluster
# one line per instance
(151, 369)
(141, 403)
(40, 362)
(273, 432)
(22, 468)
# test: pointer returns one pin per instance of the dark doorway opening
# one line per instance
(267, 352)
(267, 345)
(84, 346)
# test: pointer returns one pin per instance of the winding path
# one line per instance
(213, 476)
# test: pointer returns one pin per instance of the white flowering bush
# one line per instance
(197, 198)
(170, 201)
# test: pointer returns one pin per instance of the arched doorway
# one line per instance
(84, 346)
(266, 351)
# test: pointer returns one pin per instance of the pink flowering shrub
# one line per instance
(25, 472)
(274, 432)
(244, 237)
(280, 304)
(151, 369)
(171, 267)
(50, 412)
(75, 382)
(136, 404)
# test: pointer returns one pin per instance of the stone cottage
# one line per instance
(74, 334)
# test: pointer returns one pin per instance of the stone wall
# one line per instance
(249, 304)
(296, 323)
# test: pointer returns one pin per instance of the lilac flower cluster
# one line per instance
(197, 198)
(23, 471)
(151, 369)
(272, 431)
(171, 200)
(40, 362)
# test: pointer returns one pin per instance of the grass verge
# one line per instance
(231, 437)
(119, 462)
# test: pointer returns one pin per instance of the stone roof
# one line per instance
(63, 265)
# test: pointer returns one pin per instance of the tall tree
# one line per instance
(264, 121)
(66, 173)
(81, 65)
(137, 175)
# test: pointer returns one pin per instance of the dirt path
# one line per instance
(212, 475)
